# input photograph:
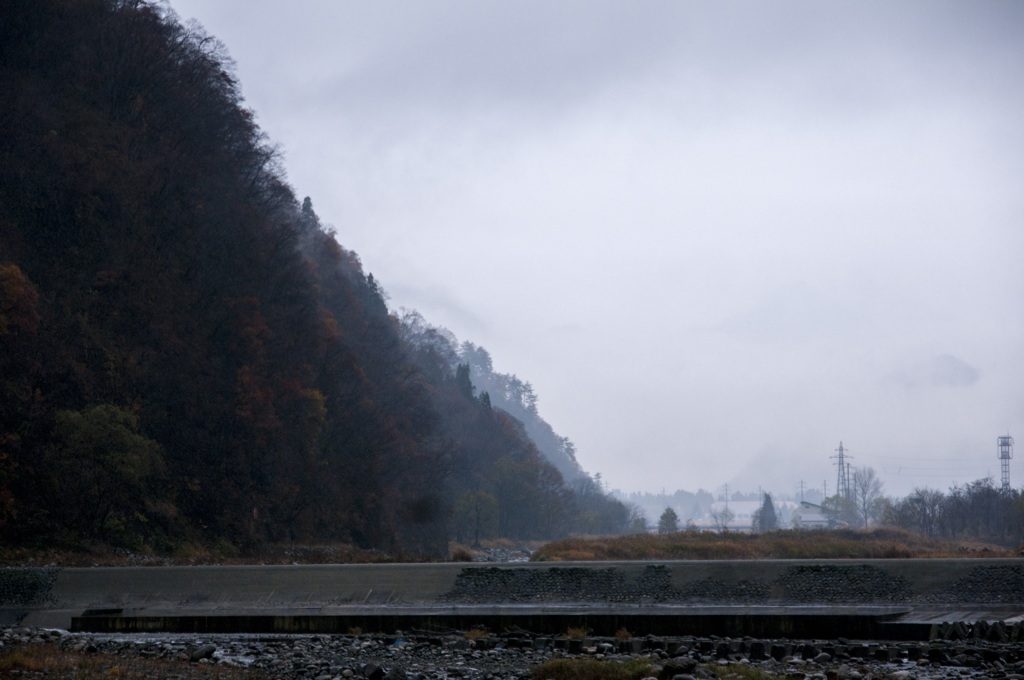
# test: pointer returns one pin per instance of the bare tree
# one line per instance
(721, 517)
(637, 519)
(926, 504)
(841, 511)
(867, 488)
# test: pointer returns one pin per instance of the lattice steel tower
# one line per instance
(1005, 454)
(843, 473)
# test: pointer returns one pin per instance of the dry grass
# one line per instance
(476, 634)
(591, 669)
(458, 552)
(637, 669)
(55, 664)
(736, 671)
(687, 545)
(883, 543)
(193, 555)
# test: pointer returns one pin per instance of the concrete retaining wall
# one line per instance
(325, 597)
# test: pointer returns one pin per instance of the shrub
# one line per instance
(591, 669)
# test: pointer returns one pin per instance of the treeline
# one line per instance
(187, 354)
(976, 511)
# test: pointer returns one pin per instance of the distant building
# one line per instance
(743, 513)
(811, 516)
(742, 516)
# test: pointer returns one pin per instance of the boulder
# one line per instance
(681, 665)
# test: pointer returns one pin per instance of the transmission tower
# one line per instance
(1005, 454)
(843, 472)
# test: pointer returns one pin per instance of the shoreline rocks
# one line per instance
(427, 656)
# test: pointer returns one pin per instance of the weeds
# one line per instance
(741, 672)
(636, 669)
(592, 669)
(881, 543)
(54, 663)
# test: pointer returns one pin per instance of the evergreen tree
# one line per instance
(766, 519)
(668, 523)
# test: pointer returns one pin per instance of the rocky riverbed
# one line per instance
(434, 656)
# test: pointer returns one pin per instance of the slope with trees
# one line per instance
(517, 398)
(502, 483)
(188, 355)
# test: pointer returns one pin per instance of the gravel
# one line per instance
(423, 656)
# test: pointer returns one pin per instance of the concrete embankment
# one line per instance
(893, 599)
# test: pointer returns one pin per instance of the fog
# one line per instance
(717, 237)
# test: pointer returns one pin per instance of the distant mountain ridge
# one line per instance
(517, 398)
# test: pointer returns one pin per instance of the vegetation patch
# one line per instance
(193, 554)
(475, 634)
(48, 661)
(881, 543)
(592, 669)
(636, 669)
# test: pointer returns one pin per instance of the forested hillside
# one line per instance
(187, 354)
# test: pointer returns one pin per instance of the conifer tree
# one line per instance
(766, 518)
(668, 523)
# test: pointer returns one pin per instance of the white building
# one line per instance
(811, 516)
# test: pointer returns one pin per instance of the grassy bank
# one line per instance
(82, 555)
(881, 543)
(48, 661)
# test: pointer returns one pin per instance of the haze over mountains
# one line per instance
(718, 238)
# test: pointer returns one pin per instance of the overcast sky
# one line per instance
(717, 237)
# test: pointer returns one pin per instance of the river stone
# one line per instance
(680, 665)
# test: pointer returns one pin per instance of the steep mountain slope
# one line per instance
(187, 354)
